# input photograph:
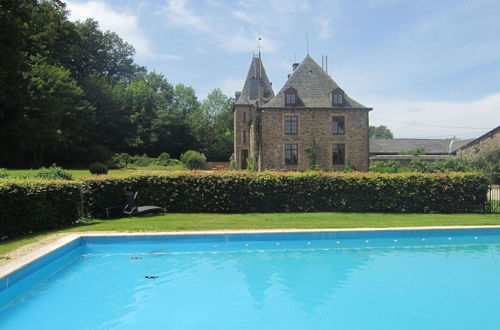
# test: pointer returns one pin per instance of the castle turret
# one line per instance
(256, 91)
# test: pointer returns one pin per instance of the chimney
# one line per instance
(237, 95)
(294, 66)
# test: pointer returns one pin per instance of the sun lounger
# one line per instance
(132, 209)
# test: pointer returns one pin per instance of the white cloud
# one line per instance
(325, 28)
(230, 85)
(436, 119)
(178, 14)
(226, 36)
(242, 16)
(126, 25)
(248, 41)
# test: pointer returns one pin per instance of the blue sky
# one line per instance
(430, 69)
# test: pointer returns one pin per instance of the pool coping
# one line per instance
(32, 257)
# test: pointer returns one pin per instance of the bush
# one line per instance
(176, 164)
(194, 160)
(390, 166)
(251, 165)
(27, 206)
(448, 164)
(163, 159)
(31, 205)
(243, 192)
(53, 173)
(120, 160)
(98, 168)
(3, 173)
(143, 161)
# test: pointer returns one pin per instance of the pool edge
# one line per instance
(28, 259)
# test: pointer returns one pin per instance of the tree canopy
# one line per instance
(72, 94)
(380, 132)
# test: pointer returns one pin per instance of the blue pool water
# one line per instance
(440, 279)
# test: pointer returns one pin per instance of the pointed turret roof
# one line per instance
(257, 84)
(314, 87)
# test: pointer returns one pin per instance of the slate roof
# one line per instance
(256, 77)
(313, 86)
(431, 146)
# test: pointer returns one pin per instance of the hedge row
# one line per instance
(33, 205)
(27, 206)
(231, 192)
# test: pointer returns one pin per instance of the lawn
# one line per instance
(204, 221)
(83, 173)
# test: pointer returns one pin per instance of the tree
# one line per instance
(212, 126)
(103, 53)
(489, 163)
(55, 113)
(380, 132)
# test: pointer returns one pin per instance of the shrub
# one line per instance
(98, 168)
(3, 173)
(349, 168)
(232, 164)
(163, 159)
(390, 166)
(27, 206)
(53, 173)
(31, 205)
(243, 192)
(417, 165)
(448, 164)
(194, 160)
(176, 164)
(120, 160)
(251, 165)
(142, 161)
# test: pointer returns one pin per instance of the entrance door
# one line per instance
(244, 157)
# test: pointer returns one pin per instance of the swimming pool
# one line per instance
(383, 279)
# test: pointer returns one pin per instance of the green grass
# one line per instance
(204, 221)
(83, 173)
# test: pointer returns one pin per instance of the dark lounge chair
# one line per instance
(132, 209)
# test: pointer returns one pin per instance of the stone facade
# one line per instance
(259, 121)
(243, 119)
(314, 130)
(488, 141)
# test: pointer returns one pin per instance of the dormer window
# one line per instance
(337, 97)
(290, 97)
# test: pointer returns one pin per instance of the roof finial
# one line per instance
(307, 42)
(260, 38)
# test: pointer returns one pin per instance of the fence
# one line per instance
(494, 198)
(214, 166)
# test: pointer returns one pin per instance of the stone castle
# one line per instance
(310, 123)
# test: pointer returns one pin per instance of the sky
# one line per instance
(429, 69)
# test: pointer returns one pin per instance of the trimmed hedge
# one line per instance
(31, 205)
(243, 192)
(27, 206)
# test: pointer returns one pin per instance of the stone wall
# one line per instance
(240, 127)
(490, 140)
(314, 128)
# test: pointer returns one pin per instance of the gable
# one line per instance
(314, 88)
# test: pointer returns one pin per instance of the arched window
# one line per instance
(290, 96)
(337, 97)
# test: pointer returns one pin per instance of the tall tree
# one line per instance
(103, 53)
(212, 126)
(55, 114)
(15, 17)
